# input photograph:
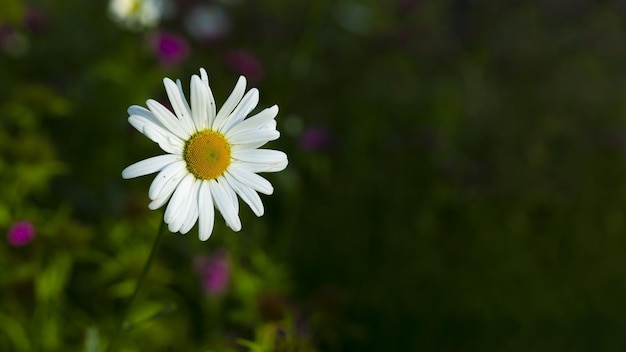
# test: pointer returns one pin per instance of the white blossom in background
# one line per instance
(137, 14)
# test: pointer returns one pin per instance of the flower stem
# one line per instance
(144, 273)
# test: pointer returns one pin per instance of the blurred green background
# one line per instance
(455, 179)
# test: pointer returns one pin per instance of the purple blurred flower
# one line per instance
(214, 273)
(13, 42)
(315, 139)
(245, 63)
(170, 48)
(6, 35)
(35, 20)
(21, 233)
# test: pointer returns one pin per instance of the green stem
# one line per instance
(144, 273)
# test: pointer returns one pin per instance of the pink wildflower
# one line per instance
(21, 233)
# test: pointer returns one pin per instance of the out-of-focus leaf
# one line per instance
(252, 346)
(124, 288)
(146, 311)
(12, 11)
(42, 99)
(49, 332)
(15, 331)
(36, 177)
(5, 217)
(264, 340)
(274, 275)
(52, 278)
(92, 339)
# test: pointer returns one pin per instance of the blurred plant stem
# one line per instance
(144, 273)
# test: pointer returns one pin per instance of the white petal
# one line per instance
(250, 179)
(264, 156)
(168, 119)
(189, 119)
(247, 146)
(260, 167)
(149, 166)
(179, 104)
(211, 100)
(182, 94)
(139, 122)
(174, 215)
(230, 104)
(157, 133)
(178, 198)
(254, 122)
(206, 212)
(168, 177)
(231, 193)
(254, 136)
(223, 202)
(199, 103)
(190, 221)
(157, 203)
(166, 141)
(167, 190)
(192, 215)
(141, 111)
(170, 186)
(247, 104)
(247, 194)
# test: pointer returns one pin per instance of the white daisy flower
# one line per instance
(137, 14)
(211, 157)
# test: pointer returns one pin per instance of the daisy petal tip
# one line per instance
(242, 81)
(129, 172)
(171, 228)
(184, 230)
(154, 205)
(134, 110)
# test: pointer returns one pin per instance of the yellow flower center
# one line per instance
(207, 154)
(135, 7)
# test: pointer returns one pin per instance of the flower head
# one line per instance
(35, 20)
(214, 273)
(13, 42)
(211, 155)
(170, 48)
(21, 233)
(136, 14)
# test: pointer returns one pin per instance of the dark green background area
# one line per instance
(472, 198)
